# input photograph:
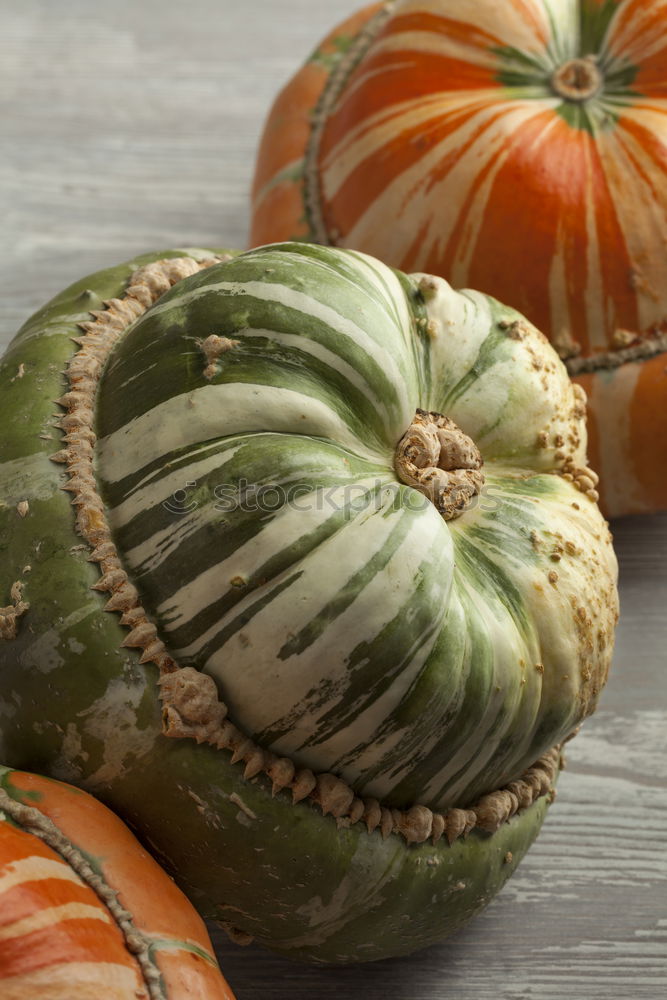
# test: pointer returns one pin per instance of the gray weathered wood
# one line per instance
(132, 125)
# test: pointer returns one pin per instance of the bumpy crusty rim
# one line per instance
(646, 346)
(627, 345)
(190, 700)
(33, 821)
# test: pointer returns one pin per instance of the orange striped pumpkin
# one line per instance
(518, 147)
(85, 912)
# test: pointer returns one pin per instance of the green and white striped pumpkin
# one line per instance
(269, 604)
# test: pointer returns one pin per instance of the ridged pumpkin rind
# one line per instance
(285, 874)
(357, 634)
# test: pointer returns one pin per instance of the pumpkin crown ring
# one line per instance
(578, 79)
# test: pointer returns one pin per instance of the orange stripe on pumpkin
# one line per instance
(465, 30)
(527, 11)
(76, 981)
(617, 307)
(384, 81)
(563, 206)
(520, 255)
(650, 145)
(651, 152)
(82, 940)
(456, 247)
(21, 900)
(461, 31)
(651, 80)
(635, 27)
(610, 395)
(47, 916)
(286, 134)
(34, 869)
(636, 168)
(276, 214)
(16, 844)
(386, 163)
(287, 129)
(648, 422)
(124, 864)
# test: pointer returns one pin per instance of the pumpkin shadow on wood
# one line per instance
(258, 973)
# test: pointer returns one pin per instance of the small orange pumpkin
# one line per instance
(85, 912)
(516, 147)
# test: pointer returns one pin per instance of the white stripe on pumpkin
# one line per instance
(32, 869)
(63, 980)
(375, 347)
(251, 654)
(216, 411)
(53, 915)
(289, 525)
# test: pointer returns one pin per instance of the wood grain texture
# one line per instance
(130, 126)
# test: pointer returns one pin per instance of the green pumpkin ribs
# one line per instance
(192, 705)
(390, 657)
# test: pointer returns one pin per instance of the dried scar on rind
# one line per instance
(10, 615)
(213, 348)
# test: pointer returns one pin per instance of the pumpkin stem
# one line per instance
(435, 457)
(577, 79)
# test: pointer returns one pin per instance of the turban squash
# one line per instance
(85, 912)
(516, 147)
(305, 578)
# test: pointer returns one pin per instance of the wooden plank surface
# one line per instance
(131, 126)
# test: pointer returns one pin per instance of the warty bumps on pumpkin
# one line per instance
(85, 912)
(518, 147)
(306, 578)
